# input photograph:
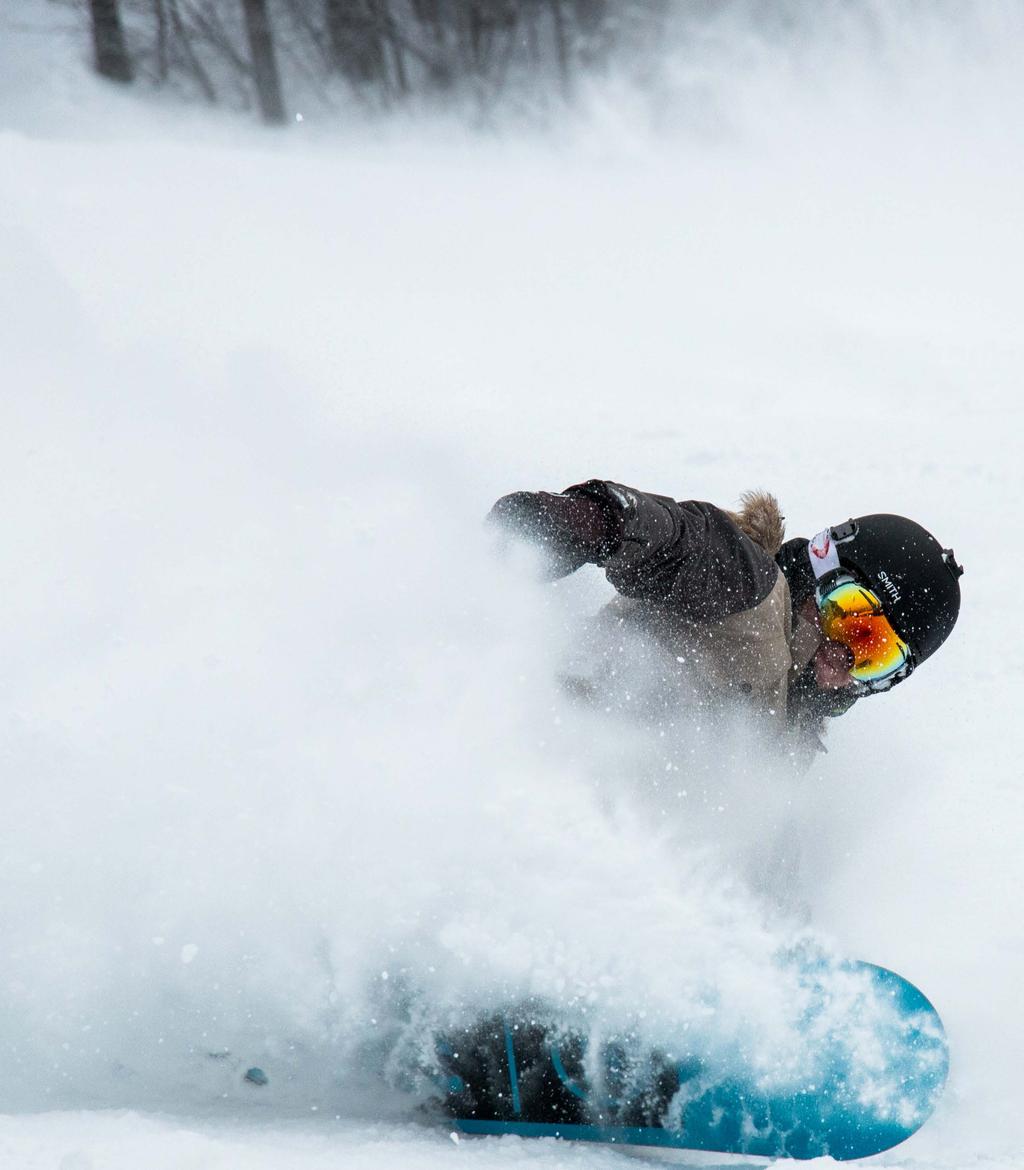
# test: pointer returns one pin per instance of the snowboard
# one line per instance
(880, 1061)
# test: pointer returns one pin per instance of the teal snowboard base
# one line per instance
(880, 1062)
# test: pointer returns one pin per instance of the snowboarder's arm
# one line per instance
(687, 554)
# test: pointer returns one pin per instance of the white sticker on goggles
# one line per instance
(824, 556)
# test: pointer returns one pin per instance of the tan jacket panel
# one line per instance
(748, 656)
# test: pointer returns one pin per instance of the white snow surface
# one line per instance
(283, 739)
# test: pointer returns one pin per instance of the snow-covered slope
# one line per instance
(282, 740)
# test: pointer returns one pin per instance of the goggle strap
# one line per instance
(823, 554)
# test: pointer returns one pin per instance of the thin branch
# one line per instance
(196, 68)
(218, 38)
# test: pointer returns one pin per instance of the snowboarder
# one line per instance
(795, 631)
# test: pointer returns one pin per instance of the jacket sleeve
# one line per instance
(687, 555)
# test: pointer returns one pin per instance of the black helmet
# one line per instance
(915, 578)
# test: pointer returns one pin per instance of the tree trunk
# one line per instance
(264, 64)
(161, 40)
(397, 52)
(112, 60)
(561, 47)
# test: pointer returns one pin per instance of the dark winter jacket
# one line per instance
(707, 584)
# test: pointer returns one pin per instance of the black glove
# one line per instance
(573, 529)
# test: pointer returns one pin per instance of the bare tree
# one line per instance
(192, 63)
(264, 63)
(354, 31)
(160, 54)
(561, 45)
(516, 53)
(112, 60)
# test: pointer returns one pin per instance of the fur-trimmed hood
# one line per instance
(761, 518)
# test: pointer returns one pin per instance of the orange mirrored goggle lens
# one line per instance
(853, 615)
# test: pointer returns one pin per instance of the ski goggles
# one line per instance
(849, 613)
